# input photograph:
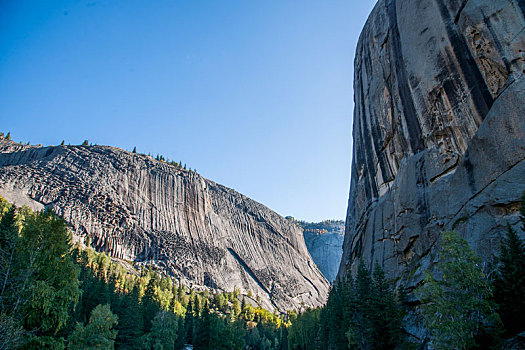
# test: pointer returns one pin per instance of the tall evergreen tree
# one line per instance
(360, 332)
(181, 334)
(11, 330)
(456, 306)
(51, 285)
(8, 242)
(386, 315)
(149, 305)
(164, 331)
(189, 321)
(509, 283)
(203, 332)
(131, 322)
(98, 333)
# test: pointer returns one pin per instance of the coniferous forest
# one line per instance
(57, 295)
(470, 306)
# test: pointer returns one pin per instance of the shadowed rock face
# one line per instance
(326, 248)
(139, 209)
(439, 131)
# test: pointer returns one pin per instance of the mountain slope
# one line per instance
(136, 208)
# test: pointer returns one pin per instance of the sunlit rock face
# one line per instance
(439, 131)
(136, 208)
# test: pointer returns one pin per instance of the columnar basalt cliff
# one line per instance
(136, 208)
(439, 131)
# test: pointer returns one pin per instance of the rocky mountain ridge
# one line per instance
(439, 132)
(147, 211)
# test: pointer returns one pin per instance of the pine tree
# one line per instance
(181, 334)
(8, 136)
(85, 143)
(150, 305)
(131, 321)
(98, 333)
(456, 306)
(189, 322)
(360, 332)
(164, 331)
(386, 314)
(11, 331)
(8, 241)
(62, 143)
(203, 332)
(509, 283)
(51, 286)
(243, 305)
(134, 150)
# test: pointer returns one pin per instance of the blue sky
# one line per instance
(255, 95)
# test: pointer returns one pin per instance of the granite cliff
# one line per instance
(324, 241)
(439, 132)
(146, 211)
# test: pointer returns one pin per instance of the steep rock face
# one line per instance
(439, 131)
(139, 209)
(326, 248)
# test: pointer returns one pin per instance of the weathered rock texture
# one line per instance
(326, 247)
(139, 209)
(439, 131)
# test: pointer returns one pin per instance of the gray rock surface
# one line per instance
(439, 132)
(139, 209)
(326, 246)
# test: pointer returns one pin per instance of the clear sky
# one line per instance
(255, 95)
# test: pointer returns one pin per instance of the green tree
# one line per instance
(164, 331)
(85, 143)
(181, 334)
(8, 136)
(456, 306)
(62, 143)
(203, 332)
(303, 334)
(98, 333)
(189, 321)
(8, 243)
(134, 150)
(48, 286)
(150, 307)
(131, 321)
(360, 329)
(386, 316)
(509, 283)
(236, 307)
